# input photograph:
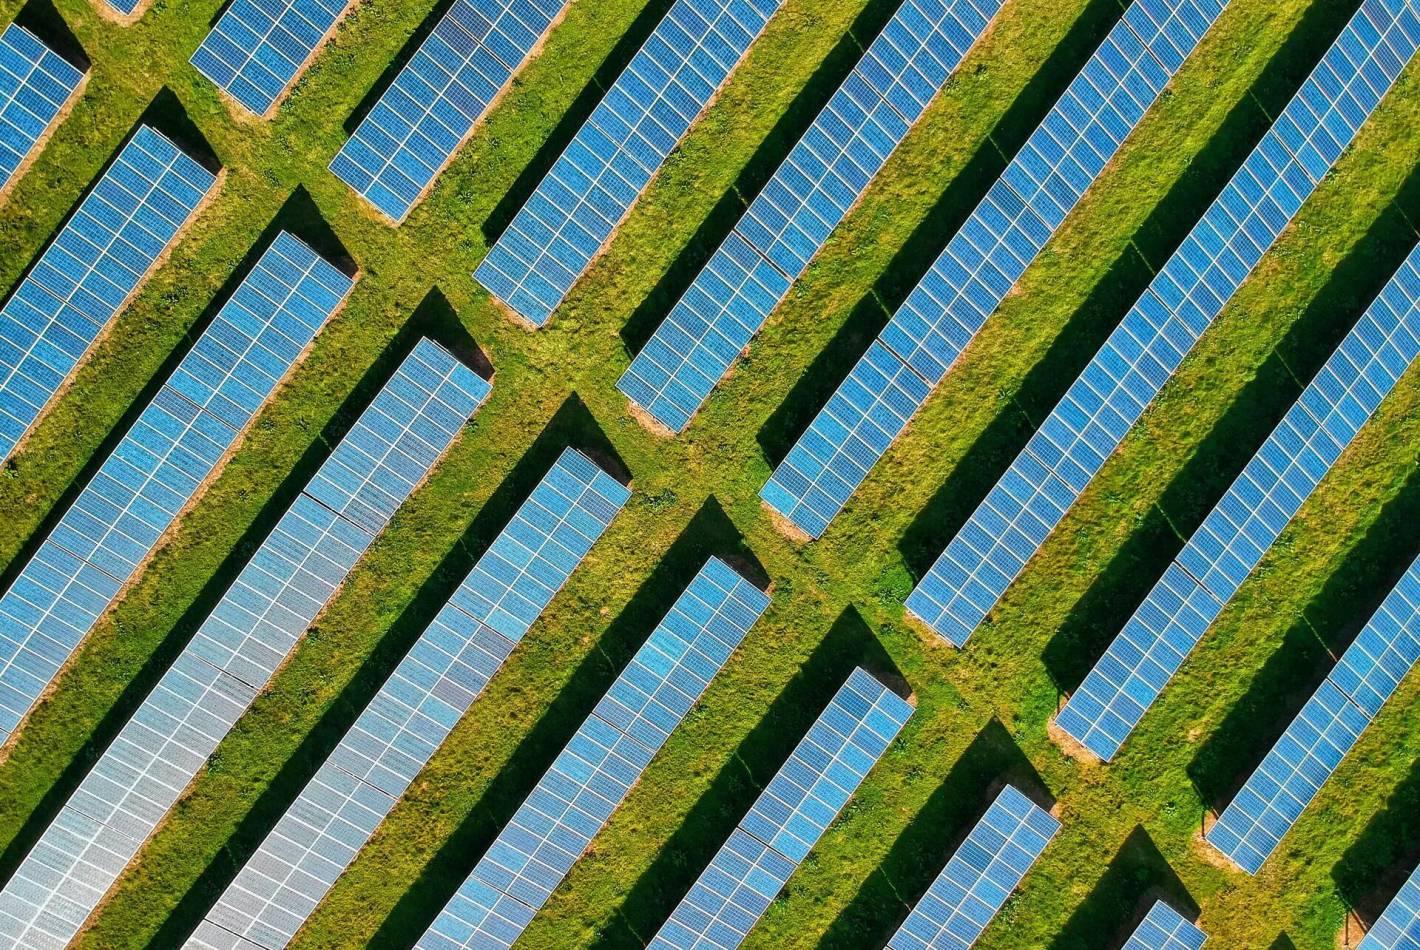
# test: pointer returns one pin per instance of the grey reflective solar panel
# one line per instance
(810, 193)
(413, 712)
(1306, 755)
(614, 155)
(983, 260)
(87, 273)
(35, 85)
(594, 772)
(259, 620)
(1245, 523)
(979, 878)
(1165, 929)
(171, 450)
(438, 97)
(1399, 926)
(259, 47)
(788, 818)
(1124, 376)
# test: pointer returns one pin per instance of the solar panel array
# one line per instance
(170, 451)
(413, 712)
(438, 97)
(595, 771)
(810, 193)
(1399, 925)
(979, 878)
(1165, 929)
(36, 84)
(788, 818)
(1331, 722)
(591, 188)
(1240, 529)
(985, 258)
(87, 273)
(1101, 405)
(233, 655)
(126, 9)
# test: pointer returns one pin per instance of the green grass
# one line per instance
(981, 712)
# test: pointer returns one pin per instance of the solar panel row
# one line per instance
(1331, 722)
(1165, 929)
(810, 193)
(84, 277)
(1101, 405)
(978, 879)
(985, 258)
(438, 97)
(172, 449)
(1245, 523)
(414, 711)
(36, 84)
(233, 655)
(596, 770)
(1399, 926)
(591, 188)
(788, 818)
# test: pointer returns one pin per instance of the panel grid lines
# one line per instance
(36, 84)
(1399, 925)
(1166, 929)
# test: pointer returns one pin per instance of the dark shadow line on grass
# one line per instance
(1371, 871)
(396, 65)
(42, 19)
(1137, 875)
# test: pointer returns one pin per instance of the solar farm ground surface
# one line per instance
(1129, 829)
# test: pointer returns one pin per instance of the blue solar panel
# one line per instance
(979, 878)
(1245, 523)
(36, 84)
(438, 98)
(788, 818)
(413, 712)
(127, 10)
(172, 449)
(786, 224)
(259, 47)
(1165, 929)
(254, 627)
(1370, 671)
(1085, 427)
(595, 771)
(1399, 926)
(89, 271)
(983, 260)
(569, 218)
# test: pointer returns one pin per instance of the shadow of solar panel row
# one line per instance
(810, 193)
(978, 879)
(1124, 376)
(613, 157)
(254, 627)
(1165, 929)
(413, 712)
(788, 818)
(259, 47)
(985, 258)
(81, 280)
(592, 775)
(164, 459)
(438, 97)
(35, 85)
(1399, 925)
(1245, 523)
(1369, 672)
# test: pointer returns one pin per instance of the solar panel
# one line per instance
(1399, 926)
(231, 658)
(1165, 929)
(979, 878)
(439, 97)
(595, 771)
(1124, 376)
(788, 818)
(97, 262)
(1245, 523)
(172, 449)
(1331, 722)
(414, 711)
(36, 85)
(984, 259)
(574, 210)
(811, 192)
(259, 47)
(127, 10)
